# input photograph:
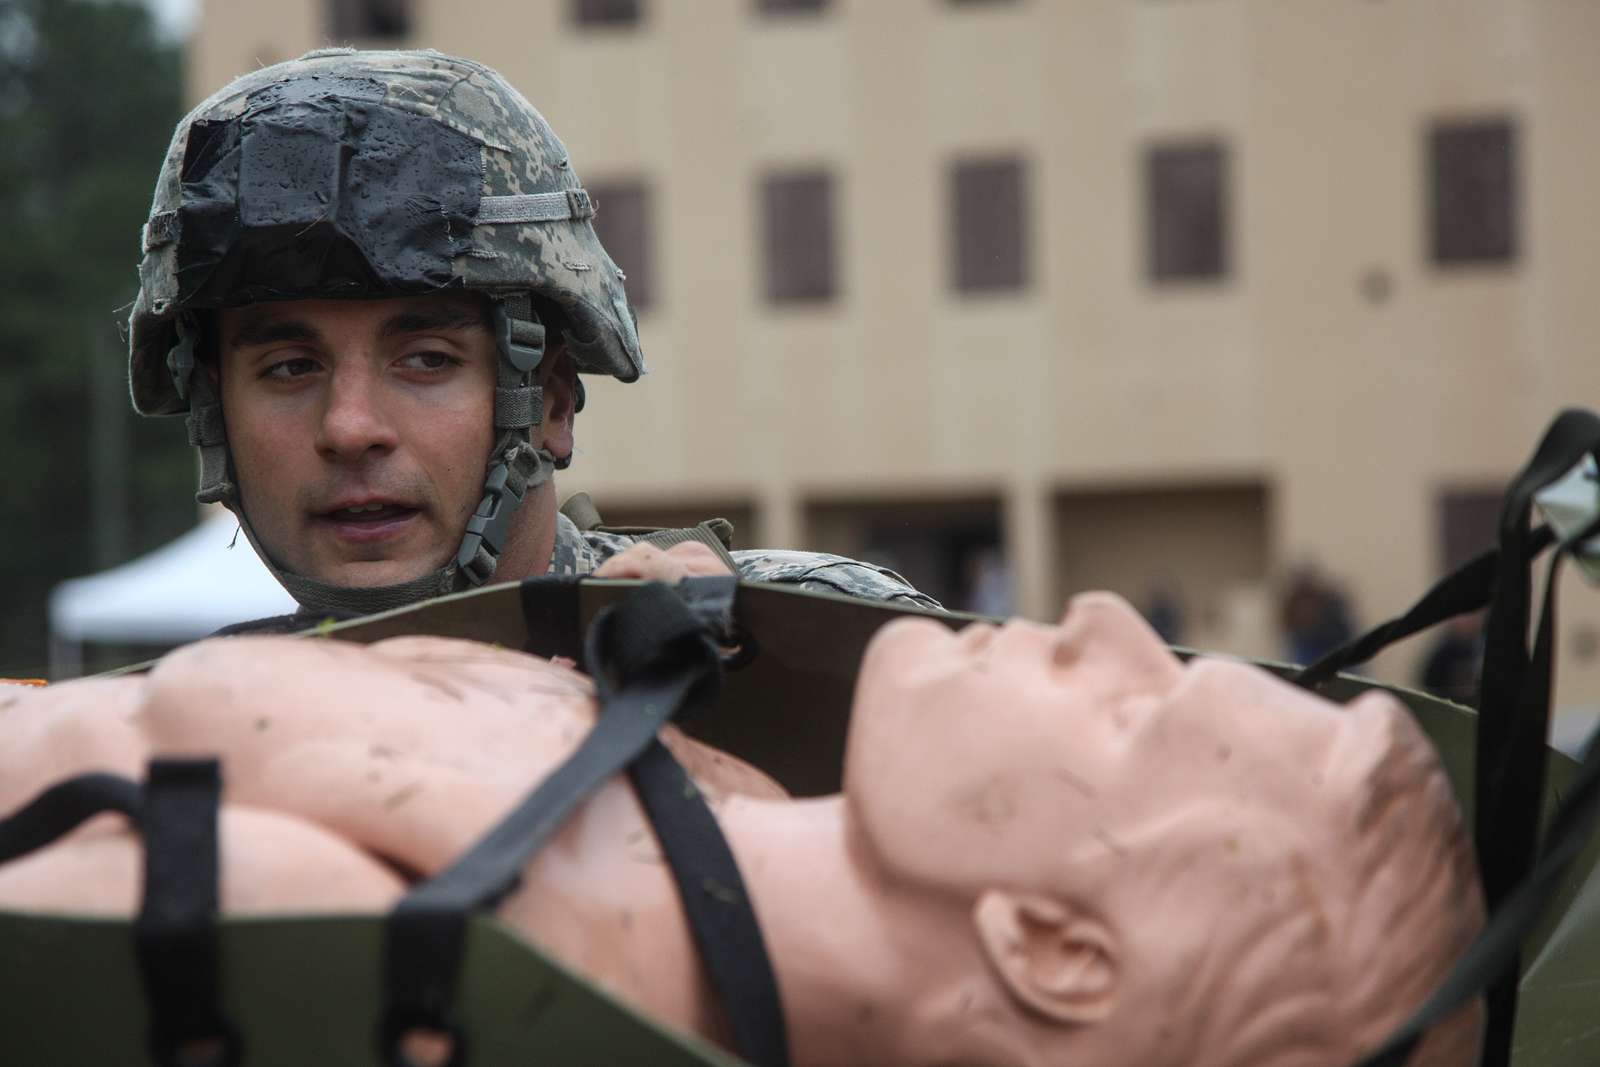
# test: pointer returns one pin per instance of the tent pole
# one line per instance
(66, 657)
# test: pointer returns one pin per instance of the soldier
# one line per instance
(371, 281)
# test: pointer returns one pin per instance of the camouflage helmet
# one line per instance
(354, 174)
(416, 170)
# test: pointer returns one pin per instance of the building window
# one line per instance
(1186, 211)
(605, 12)
(951, 548)
(1468, 522)
(797, 226)
(791, 7)
(622, 221)
(369, 20)
(1472, 177)
(988, 250)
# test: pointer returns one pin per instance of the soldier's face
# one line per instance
(360, 429)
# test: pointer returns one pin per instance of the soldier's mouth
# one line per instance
(368, 522)
(369, 513)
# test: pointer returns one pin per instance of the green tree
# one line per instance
(89, 95)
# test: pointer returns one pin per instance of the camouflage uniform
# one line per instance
(580, 552)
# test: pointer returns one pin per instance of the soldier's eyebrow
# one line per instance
(265, 330)
(433, 320)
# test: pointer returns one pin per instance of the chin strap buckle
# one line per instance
(489, 525)
(521, 468)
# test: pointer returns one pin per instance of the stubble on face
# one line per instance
(359, 430)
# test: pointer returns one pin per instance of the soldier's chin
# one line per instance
(371, 574)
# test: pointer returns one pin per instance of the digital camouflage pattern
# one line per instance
(580, 552)
(562, 261)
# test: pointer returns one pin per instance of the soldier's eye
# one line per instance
(290, 368)
(430, 361)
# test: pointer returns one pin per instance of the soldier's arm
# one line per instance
(824, 572)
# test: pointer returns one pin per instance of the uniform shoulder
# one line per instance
(828, 573)
(581, 551)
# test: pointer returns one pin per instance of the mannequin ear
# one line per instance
(1062, 965)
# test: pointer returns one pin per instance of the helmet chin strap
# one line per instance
(528, 469)
(516, 468)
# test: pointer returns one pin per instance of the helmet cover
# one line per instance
(370, 174)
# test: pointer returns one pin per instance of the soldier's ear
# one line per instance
(559, 379)
(1064, 965)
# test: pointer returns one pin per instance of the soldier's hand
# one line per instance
(687, 560)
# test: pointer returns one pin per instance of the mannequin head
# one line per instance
(1166, 863)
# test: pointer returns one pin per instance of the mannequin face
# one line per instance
(1087, 732)
(1136, 835)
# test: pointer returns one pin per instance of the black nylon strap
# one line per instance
(671, 662)
(1494, 954)
(175, 934)
(1512, 727)
(1468, 588)
(64, 807)
(1514, 705)
(718, 908)
(175, 937)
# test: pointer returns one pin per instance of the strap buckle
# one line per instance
(524, 354)
(489, 526)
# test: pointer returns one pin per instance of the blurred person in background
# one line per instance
(1315, 615)
(1163, 610)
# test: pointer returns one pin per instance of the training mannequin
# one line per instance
(1055, 845)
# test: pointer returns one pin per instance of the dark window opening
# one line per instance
(1467, 519)
(1468, 524)
(791, 7)
(797, 227)
(988, 250)
(1186, 210)
(369, 20)
(605, 12)
(951, 549)
(622, 221)
(1472, 178)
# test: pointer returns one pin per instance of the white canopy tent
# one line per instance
(208, 578)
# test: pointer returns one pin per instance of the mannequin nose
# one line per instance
(354, 420)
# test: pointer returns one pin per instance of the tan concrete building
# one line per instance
(1149, 295)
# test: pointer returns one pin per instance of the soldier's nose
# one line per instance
(354, 421)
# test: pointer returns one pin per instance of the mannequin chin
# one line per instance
(1055, 845)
